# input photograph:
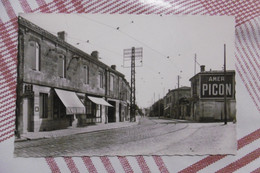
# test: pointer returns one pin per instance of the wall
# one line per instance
(48, 74)
(211, 109)
(47, 77)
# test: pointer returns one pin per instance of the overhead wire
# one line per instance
(119, 28)
(124, 33)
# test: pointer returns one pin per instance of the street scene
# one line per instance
(93, 85)
(150, 136)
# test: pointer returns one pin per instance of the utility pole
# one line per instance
(178, 96)
(106, 89)
(132, 98)
(154, 103)
(225, 92)
(159, 106)
(132, 55)
(195, 63)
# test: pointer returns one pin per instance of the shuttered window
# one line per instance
(100, 79)
(43, 105)
(34, 50)
(111, 83)
(61, 66)
(89, 107)
(86, 74)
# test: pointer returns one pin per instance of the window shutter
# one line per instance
(32, 50)
(61, 66)
(37, 56)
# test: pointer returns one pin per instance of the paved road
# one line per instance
(150, 136)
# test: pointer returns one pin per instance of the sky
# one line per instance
(169, 43)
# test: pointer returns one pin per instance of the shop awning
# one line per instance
(99, 101)
(71, 102)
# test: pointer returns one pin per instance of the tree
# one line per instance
(139, 111)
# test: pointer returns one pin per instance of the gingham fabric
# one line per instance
(247, 59)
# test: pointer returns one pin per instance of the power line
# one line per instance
(124, 33)
(118, 28)
(143, 43)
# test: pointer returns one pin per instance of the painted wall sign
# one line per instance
(212, 86)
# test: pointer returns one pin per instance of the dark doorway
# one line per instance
(59, 110)
(112, 112)
(120, 113)
(28, 113)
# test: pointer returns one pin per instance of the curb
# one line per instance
(24, 138)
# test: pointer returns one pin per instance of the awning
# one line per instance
(99, 101)
(71, 102)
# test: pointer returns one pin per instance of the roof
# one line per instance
(181, 88)
(213, 72)
(26, 23)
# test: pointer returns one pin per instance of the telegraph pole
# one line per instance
(178, 97)
(132, 55)
(195, 63)
(159, 107)
(132, 98)
(225, 92)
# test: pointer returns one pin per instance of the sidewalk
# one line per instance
(76, 130)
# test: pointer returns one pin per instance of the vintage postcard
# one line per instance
(96, 85)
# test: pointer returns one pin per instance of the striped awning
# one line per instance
(99, 101)
(71, 102)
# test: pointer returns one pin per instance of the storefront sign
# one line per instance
(213, 86)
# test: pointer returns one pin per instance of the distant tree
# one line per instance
(155, 109)
(140, 112)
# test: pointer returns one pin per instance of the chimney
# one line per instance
(113, 67)
(95, 54)
(62, 35)
(202, 68)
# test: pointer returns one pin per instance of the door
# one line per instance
(120, 113)
(112, 112)
(27, 115)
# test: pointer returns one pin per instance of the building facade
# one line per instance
(176, 103)
(208, 93)
(59, 85)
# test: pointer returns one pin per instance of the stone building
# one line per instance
(59, 85)
(207, 91)
(176, 103)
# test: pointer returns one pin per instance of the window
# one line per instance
(43, 105)
(37, 57)
(99, 111)
(61, 66)
(88, 107)
(100, 79)
(111, 83)
(34, 49)
(86, 75)
(59, 110)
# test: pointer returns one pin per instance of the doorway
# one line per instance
(27, 115)
(112, 112)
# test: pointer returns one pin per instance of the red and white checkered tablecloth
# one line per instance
(247, 59)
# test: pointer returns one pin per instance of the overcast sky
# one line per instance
(169, 45)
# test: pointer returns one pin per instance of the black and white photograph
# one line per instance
(123, 85)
